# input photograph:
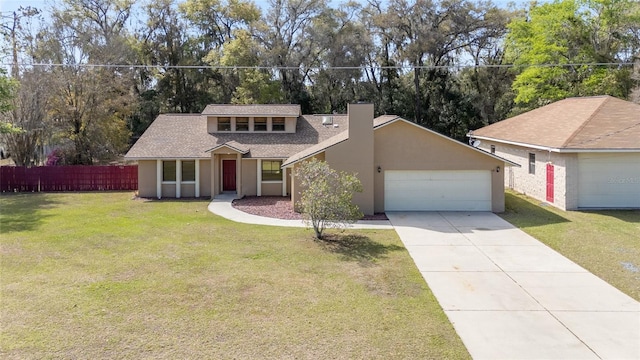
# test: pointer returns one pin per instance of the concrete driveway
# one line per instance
(511, 297)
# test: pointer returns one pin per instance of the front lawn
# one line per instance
(607, 243)
(99, 275)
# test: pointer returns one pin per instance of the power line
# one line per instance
(361, 67)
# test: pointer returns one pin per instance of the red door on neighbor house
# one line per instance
(228, 175)
(550, 183)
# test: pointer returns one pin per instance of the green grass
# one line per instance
(99, 275)
(607, 243)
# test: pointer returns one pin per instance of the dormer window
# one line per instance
(224, 124)
(260, 124)
(277, 124)
(242, 124)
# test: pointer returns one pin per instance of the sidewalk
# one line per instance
(511, 297)
(221, 206)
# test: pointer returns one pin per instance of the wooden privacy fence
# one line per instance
(68, 178)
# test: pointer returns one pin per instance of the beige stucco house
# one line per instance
(577, 153)
(252, 150)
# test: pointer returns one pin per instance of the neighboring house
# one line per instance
(580, 153)
(252, 150)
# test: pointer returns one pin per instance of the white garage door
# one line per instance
(609, 180)
(437, 190)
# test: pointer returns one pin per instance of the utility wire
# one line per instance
(221, 67)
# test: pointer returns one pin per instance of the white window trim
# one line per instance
(259, 178)
(159, 179)
(178, 182)
(178, 179)
(260, 172)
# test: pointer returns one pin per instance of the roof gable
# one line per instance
(598, 122)
(379, 123)
(231, 145)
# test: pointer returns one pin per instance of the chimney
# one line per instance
(360, 152)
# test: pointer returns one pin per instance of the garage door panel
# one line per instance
(609, 180)
(437, 190)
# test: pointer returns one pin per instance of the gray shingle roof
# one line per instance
(597, 122)
(252, 110)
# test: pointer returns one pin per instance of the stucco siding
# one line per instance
(402, 146)
(147, 178)
(354, 155)
(205, 178)
(288, 176)
(187, 190)
(169, 190)
(249, 177)
(272, 189)
(296, 186)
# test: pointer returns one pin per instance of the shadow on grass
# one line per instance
(21, 211)
(630, 216)
(528, 213)
(356, 247)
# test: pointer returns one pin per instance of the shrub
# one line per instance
(327, 195)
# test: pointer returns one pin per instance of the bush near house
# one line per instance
(327, 196)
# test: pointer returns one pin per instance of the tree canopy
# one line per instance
(106, 68)
(572, 33)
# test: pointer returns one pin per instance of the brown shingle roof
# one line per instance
(233, 145)
(173, 136)
(598, 122)
(252, 110)
(384, 119)
(186, 136)
(320, 147)
(377, 123)
(316, 149)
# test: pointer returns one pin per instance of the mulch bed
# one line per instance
(278, 207)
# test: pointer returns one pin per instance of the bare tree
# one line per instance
(28, 113)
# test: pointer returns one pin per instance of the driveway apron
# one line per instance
(511, 297)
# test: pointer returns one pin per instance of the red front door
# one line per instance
(228, 175)
(550, 182)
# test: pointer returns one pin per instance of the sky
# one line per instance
(12, 5)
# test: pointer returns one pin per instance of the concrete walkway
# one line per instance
(221, 206)
(511, 297)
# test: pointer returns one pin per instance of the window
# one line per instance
(532, 163)
(493, 149)
(169, 170)
(242, 124)
(224, 124)
(277, 124)
(271, 170)
(189, 170)
(260, 124)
